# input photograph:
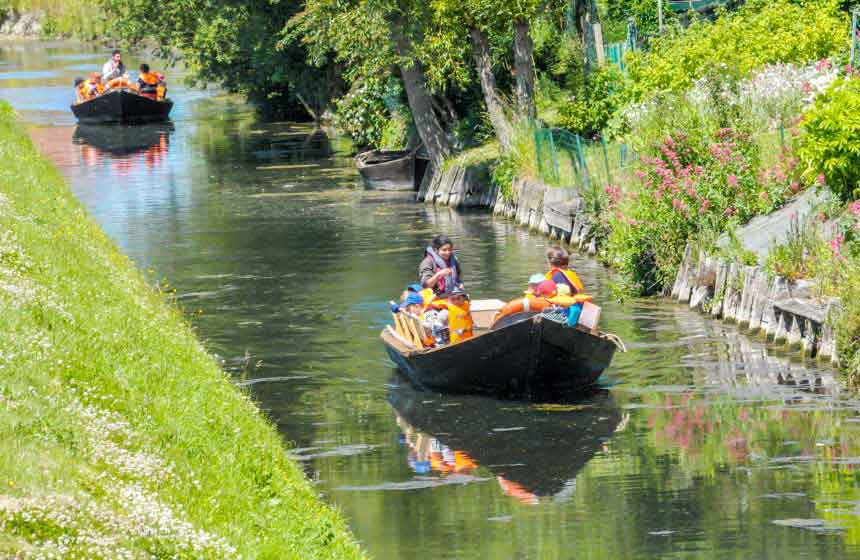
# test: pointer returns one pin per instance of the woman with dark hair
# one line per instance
(440, 269)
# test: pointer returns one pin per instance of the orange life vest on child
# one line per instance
(460, 323)
(570, 275)
(91, 88)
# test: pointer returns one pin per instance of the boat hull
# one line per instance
(121, 106)
(391, 170)
(533, 356)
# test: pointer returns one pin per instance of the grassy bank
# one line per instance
(120, 437)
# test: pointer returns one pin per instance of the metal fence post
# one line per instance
(556, 176)
(586, 176)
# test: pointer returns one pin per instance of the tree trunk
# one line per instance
(525, 69)
(420, 102)
(495, 107)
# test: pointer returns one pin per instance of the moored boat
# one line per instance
(391, 170)
(526, 354)
(121, 105)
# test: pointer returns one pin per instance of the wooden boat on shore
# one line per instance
(121, 105)
(391, 170)
(526, 354)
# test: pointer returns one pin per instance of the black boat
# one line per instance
(121, 105)
(535, 450)
(526, 354)
(391, 170)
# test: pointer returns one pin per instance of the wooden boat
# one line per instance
(121, 105)
(526, 354)
(391, 170)
(534, 452)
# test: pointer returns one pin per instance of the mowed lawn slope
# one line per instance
(120, 437)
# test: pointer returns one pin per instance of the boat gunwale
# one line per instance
(392, 341)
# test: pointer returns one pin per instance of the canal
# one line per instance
(702, 442)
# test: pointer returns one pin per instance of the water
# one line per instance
(701, 442)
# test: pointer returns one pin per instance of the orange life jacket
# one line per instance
(567, 301)
(570, 275)
(150, 78)
(90, 89)
(460, 323)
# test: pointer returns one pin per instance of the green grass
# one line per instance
(118, 431)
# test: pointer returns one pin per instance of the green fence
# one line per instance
(568, 160)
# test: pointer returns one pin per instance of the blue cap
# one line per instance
(536, 278)
(413, 299)
(414, 287)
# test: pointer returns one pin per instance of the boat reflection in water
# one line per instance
(534, 450)
(120, 141)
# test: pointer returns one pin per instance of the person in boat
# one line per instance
(426, 294)
(413, 304)
(113, 68)
(78, 90)
(450, 318)
(534, 282)
(161, 88)
(440, 270)
(147, 82)
(558, 261)
(92, 88)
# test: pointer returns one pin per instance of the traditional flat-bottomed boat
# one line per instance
(121, 105)
(525, 354)
(391, 170)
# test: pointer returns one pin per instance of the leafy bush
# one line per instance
(364, 111)
(830, 150)
(762, 32)
(588, 112)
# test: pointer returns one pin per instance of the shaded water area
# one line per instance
(702, 442)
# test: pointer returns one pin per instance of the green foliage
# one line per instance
(793, 259)
(589, 110)
(364, 113)
(503, 173)
(759, 33)
(644, 14)
(118, 431)
(237, 45)
(396, 132)
(830, 150)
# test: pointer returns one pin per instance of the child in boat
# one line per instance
(413, 304)
(534, 282)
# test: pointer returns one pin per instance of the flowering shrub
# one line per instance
(688, 186)
(831, 145)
